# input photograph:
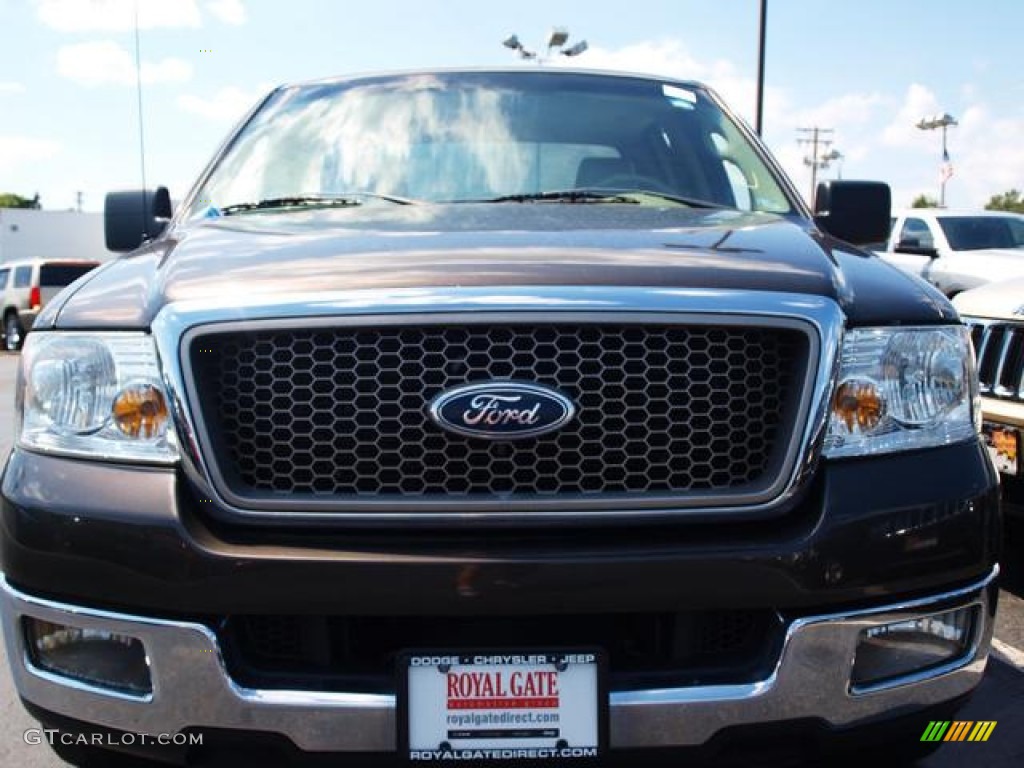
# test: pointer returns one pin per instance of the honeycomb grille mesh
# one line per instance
(342, 412)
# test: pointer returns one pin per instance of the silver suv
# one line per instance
(27, 286)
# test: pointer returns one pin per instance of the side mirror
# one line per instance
(855, 211)
(134, 216)
(913, 245)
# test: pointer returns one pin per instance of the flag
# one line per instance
(947, 167)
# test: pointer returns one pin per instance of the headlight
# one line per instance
(901, 389)
(96, 395)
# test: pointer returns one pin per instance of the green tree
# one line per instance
(923, 201)
(1008, 201)
(10, 200)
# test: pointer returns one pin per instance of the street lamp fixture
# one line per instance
(834, 156)
(559, 36)
(932, 123)
(936, 121)
(576, 50)
(512, 42)
(557, 39)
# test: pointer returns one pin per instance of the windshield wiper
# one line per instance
(629, 196)
(691, 202)
(559, 196)
(346, 200)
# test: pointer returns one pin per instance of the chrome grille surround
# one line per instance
(999, 349)
(818, 318)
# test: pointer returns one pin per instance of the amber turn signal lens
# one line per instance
(859, 405)
(140, 411)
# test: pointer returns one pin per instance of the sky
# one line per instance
(867, 69)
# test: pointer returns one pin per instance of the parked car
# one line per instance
(497, 414)
(995, 315)
(27, 286)
(957, 250)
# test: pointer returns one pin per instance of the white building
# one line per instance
(30, 234)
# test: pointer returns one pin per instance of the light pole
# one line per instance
(557, 38)
(762, 27)
(942, 121)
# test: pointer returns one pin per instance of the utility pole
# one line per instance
(78, 201)
(818, 140)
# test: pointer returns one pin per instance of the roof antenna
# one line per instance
(142, 139)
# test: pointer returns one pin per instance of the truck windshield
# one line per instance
(974, 233)
(457, 137)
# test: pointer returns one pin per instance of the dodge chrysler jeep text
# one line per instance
(497, 415)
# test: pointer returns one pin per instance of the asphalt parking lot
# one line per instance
(999, 698)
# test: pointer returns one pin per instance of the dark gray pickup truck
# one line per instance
(506, 416)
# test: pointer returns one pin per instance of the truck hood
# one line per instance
(438, 246)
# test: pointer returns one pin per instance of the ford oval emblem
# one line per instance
(501, 410)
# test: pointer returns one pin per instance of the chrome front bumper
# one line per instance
(192, 688)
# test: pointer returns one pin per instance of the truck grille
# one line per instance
(340, 413)
(999, 347)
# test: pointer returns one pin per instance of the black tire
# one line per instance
(14, 334)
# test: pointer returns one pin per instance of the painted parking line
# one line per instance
(1014, 656)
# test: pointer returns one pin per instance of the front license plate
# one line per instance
(1003, 446)
(515, 707)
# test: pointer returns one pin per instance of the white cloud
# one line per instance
(985, 149)
(973, 124)
(117, 15)
(9, 86)
(902, 131)
(849, 109)
(226, 105)
(228, 11)
(987, 156)
(105, 61)
(24, 150)
(668, 58)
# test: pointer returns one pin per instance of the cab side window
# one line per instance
(915, 232)
(1016, 231)
(22, 277)
(4, 274)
